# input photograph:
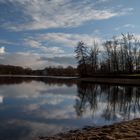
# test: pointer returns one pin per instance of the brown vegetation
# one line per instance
(129, 130)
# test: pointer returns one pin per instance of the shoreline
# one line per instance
(39, 76)
(110, 80)
(128, 130)
(122, 80)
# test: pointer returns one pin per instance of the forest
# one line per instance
(120, 55)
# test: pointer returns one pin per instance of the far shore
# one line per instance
(40, 76)
(129, 130)
(128, 80)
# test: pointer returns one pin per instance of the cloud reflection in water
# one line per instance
(40, 108)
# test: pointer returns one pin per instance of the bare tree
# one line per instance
(82, 56)
(93, 57)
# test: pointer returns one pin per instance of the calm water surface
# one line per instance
(41, 107)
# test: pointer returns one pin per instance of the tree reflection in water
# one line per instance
(115, 100)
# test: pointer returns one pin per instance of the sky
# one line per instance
(42, 33)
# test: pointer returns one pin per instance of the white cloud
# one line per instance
(32, 43)
(2, 50)
(68, 40)
(38, 44)
(22, 59)
(53, 51)
(44, 14)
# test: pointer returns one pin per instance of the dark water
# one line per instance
(42, 107)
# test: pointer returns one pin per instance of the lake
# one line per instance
(32, 107)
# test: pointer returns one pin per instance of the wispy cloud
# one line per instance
(125, 26)
(45, 14)
(56, 44)
(62, 39)
(6, 42)
(62, 60)
(129, 26)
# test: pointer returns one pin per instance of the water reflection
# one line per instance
(49, 81)
(31, 107)
(114, 101)
(35, 107)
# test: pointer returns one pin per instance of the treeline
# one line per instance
(14, 70)
(116, 56)
(61, 71)
(48, 71)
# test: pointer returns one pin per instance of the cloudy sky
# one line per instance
(39, 33)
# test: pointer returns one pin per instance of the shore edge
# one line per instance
(128, 130)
